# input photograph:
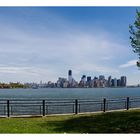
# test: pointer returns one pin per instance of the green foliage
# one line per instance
(110, 122)
(12, 85)
(135, 36)
(16, 85)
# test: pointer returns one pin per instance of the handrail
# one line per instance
(62, 106)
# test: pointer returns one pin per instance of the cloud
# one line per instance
(24, 74)
(17, 70)
(49, 53)
(52, 55)
(128, 64)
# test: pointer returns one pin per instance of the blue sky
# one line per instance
(43, 43)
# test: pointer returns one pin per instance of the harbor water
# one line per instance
(46, 101)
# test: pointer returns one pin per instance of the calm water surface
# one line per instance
(79, 93)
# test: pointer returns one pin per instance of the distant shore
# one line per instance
(24, 87)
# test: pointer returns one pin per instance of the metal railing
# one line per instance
(19, 107)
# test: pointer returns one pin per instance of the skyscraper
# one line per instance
(112, 83)
(83, 78)
(115, 82)
(123, 81)
(118, 82)
(109, 81)
(70, 72)
(70, 76)
(88, 78)
(88, 81)
(83, 81)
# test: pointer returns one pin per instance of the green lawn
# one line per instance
(111, 122)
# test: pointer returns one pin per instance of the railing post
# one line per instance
(76, 106)
(8, 108)
(127, 103)
(43, 102)
(104, 102)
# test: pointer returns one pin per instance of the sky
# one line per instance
(43, 43)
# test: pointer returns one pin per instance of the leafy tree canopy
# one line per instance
(135, 36)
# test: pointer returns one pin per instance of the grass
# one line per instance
(110, 122)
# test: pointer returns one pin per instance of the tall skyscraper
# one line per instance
(89, 84)
(70, 76)
(88, 78)
(123, 81)
(118, 82)
(112, 83)
(70, 72)
(115, 82)
(109, 81)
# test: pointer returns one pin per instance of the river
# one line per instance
(70, 93)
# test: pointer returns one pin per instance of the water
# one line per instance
(70, 93)
(62, 100)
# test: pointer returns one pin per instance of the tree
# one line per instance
(135, 36)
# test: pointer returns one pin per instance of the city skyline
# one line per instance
(85, 82)
(42, 43)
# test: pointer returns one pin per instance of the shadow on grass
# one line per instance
(111, 122)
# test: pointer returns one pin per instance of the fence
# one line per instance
(17, 107)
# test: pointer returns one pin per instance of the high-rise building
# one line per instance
(88, 78)
(109, 81)
(83, 81)
(118, 82)
(70, 72)
(112, 83)
(62, 82)
(89, 83)
(83, 78)
(70, 76)
(115, 82)
(123, 81)
(101, 77)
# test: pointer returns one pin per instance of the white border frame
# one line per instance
(69, 2)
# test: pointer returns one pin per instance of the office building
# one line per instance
(101, 77)
(112, 83)
(123, 81)
(115, 82)
(89, 83)
(83, 81)
(118, 82)
(109, 81)
(83, 78)
(88, 78)
(70, 76)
